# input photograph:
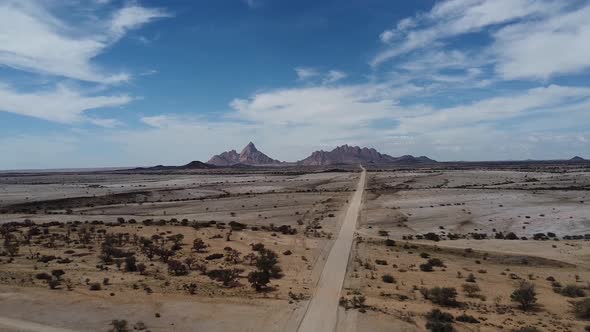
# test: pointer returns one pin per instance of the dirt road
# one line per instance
(321, 314)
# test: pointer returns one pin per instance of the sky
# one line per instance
(109, 83)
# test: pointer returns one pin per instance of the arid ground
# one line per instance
(246, 250)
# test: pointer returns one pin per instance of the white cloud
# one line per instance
(308, 74)
(334, 76)
(456, 17)
(555, 99)
(61, 104)
(149, 72)
(132, 17)
(291, 123)
(252, 3)
(351, 105)
(544, 48)
(288, 125)
(162, 121)
(304, 73)
(33, 39)
(106, 123)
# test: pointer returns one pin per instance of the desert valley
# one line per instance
(366, 241)
(419, 166)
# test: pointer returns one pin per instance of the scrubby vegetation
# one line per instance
(525, 295)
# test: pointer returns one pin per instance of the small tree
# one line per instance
(57, 274)
(130, 264)
(191, 288)
(54, 283)
(11, 245)
(177, 267)
(426, 267)
(581, 308)
(445, 296)
(438, 321)
(119, 325)
(572, 291)
(437, 262)
(259, 280)
(250, 258)
(266, 268)
(472, 290)
(141, 268)
(233, 256)
(388, 278)
(525, 294)
(227, 276)
(199, 245)
(190, 261)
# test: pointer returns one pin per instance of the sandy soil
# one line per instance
(416, 203)
(312, 205)
(297, 216)
(402, 205)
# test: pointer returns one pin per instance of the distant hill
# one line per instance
(191, 165)
(578, 159)
(249, 156)
(346, 154)
(198, 165)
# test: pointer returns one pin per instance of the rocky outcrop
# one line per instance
(249, 156)
(227, 158)
(346, 154)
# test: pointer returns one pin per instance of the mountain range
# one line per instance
(344, 154)
(250, 156)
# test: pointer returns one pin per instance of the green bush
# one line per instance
(388, 278)
(572, 291)
(445, 296)
(95, 286)
(438, 321)
(426, 267)
(472, 290)
(467, 319)
(440, 316)
(526, 329)
(525, 294)
(440, 327)
(581, 308)
(436, 262)
(380, 262)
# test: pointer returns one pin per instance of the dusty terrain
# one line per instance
(62, 222)
(464, 211)
(195, 240)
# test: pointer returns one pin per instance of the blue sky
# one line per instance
(88, 83)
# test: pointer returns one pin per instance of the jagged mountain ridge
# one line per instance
(249, 156)
(346, 154)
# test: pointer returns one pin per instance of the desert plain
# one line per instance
(246, 249)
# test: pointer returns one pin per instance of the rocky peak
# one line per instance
(249, 156)
(248, 149)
